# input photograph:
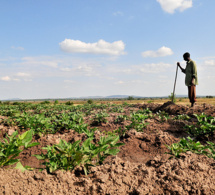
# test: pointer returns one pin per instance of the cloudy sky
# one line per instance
(70, 48)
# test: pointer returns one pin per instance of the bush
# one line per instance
(171, 96)
(90, 101)
(45, 102)
(56, 102)
(17, 103)
(69, 103)
(130, 98)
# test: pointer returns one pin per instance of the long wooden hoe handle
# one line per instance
(173, 94)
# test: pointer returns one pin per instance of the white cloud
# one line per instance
(100, 47)
(170, 6)
(69, 81)
(6, 78)
(66, 69)
(120, 82)
(27, 80)
(88, 70)
(140, 69)
(40, 61)
(118, 13)
(154, 68)
(210, 62)
(163, 51)
(23, 74)
(128, 82)
(16, 79)
(17, 48)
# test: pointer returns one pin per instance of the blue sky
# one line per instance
(70, 48)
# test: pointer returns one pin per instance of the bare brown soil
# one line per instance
(141, 167)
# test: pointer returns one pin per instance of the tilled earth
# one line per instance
(141, 167)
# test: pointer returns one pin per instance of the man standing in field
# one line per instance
(191, 79)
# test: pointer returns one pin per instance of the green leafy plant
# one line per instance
(99, 118)
(185, 145)
(211, 149)
(121, 118)
(125, 104)
(163, 116)
(13, 145)
(150, 101)
(138, 122)
(205, 126)
(188, 144)
(121, 131)
(69, 155)
(144, 111)
(181, 117)
(117, 109)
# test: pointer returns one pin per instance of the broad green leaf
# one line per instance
(20, 167)
(39, 157)
(33, 144)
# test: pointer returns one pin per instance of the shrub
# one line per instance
(171, 96)
(130, 98)
(56, 102)
(209, 96)
(45, 102)
(17, 103)
(69, 103)
(90, 101)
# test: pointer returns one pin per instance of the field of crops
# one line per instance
(107, 149)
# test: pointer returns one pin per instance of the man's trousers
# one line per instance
(192, 93)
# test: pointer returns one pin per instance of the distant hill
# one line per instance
(14, 99)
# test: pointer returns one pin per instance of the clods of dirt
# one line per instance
(191, 174)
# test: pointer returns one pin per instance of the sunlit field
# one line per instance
(179, 101)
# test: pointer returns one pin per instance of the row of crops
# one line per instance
(41, 119)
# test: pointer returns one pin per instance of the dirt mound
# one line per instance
(172, 108)
(168, 107)
(140, 147)
(191, 174)
(175, 109)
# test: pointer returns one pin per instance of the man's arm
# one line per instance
(182, 69)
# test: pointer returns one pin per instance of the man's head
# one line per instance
(186, 56)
